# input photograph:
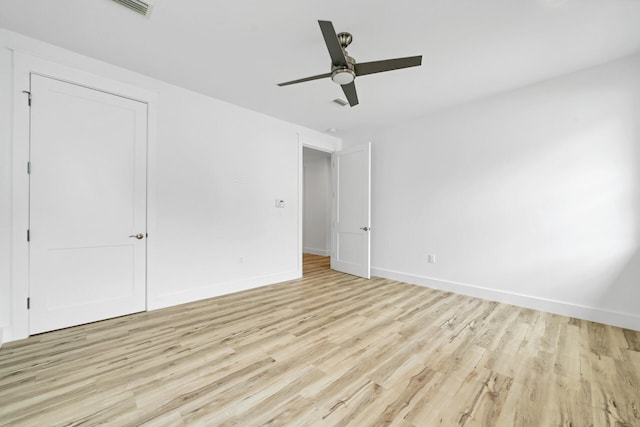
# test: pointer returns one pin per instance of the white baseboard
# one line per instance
(217, 289)
(5, 335)
(594, 314)
(315, 251)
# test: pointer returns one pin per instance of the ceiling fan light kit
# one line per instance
(344, 68)
(343, 76)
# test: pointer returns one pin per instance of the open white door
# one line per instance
(87, 249)
(351, 211)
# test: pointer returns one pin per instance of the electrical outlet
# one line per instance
(431, 258)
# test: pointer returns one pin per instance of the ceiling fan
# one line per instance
(344, 68)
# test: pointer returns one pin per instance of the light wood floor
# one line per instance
(329, 349)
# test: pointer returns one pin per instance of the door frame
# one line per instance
(23, 66)
(316, 144)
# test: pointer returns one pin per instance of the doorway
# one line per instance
(316, 230)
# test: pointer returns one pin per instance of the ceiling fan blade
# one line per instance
(306, 79)
(333, 45)
(387, 65)
(350, 92)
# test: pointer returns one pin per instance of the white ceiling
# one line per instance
(238, 50)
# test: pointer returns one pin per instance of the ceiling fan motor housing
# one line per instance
(344, 75)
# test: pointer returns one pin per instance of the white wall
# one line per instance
(317, 202)
(530, 197)
(214, 227)
(221, 169)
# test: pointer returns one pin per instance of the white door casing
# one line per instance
(88, 154)
(351, 200)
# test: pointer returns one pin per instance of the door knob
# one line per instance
(137, 236)
(365, 228)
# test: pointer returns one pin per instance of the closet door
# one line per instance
(87, 243)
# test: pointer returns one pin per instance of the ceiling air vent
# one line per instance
(341, 102)
(142, 7)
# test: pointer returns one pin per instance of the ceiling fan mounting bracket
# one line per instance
(345, 39)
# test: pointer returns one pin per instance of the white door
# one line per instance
(351, 210)
(87, 197)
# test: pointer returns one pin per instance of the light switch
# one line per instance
(279, 203)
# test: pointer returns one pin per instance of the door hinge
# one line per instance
(28, 168)
(28, 96)
(28, 235)
(28, 303)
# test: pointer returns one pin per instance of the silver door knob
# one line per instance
(137, 236)
(365, 228)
